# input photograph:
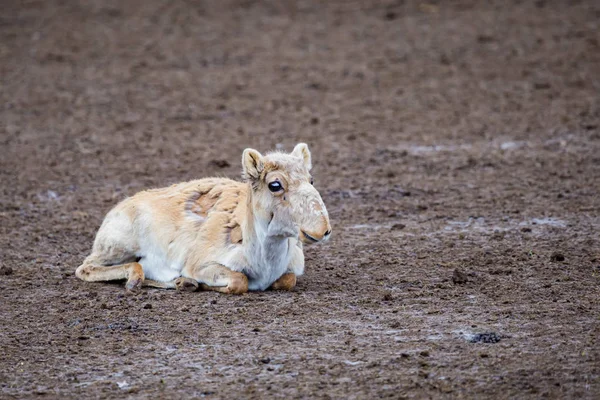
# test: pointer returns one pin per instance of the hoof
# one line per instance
(238, 284)
(186, 285)
(134, 285)
(82, 272)
(286, 282)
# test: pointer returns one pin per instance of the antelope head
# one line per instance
(283, 194)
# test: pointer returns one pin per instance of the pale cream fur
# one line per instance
(215, 233)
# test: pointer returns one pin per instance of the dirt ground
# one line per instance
(456, 144)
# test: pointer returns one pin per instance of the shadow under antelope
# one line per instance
(215, 233)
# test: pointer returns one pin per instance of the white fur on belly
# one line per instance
(159, 268)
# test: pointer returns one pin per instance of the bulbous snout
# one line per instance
(310, 238)
(315, 226)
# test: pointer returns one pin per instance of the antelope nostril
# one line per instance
(312, 239)
(328, 233)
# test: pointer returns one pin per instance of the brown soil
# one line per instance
(456, 144)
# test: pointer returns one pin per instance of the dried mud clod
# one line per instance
(459, 277)
(487, 337)
(4, 270)
(220, 163)
(397, 227)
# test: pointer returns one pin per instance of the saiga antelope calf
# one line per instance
(215, 233)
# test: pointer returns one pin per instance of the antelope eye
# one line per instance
(312, 181)
(275, 186)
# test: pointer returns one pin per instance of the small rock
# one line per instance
(459, 277)
(424, 353)
(557, 257)
(395, 325)
(387, 296)
(444, 60)
(498, 236)
(220, 163)
(526, 229)
(4, 270)
(397, 227)
(316, 86)
(265, 360)
(147, 306)
(487, 337)
(390, 15)
(541, 85)
(485, 38)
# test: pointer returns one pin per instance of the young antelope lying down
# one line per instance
(215, 233)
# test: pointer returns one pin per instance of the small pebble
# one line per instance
(459, 277)
(4, 270)
(488, 337)
(397, 227)
(387, 296)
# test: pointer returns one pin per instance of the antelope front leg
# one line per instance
(182, 284)
(287, 281)
(218, 278)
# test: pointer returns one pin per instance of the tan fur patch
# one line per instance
(201, 203)
(235, 234)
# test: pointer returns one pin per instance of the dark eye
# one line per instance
(312, 181)
(275, 186)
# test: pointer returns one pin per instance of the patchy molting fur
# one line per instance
(194, 229)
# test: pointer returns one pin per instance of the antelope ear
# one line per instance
(301, 150)
(252, 164)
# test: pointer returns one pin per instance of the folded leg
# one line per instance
(218, 278)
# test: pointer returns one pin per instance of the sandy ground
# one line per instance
(456, 144)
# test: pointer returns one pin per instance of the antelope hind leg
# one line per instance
(93, 271)
(287, 281)
(218, 278)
